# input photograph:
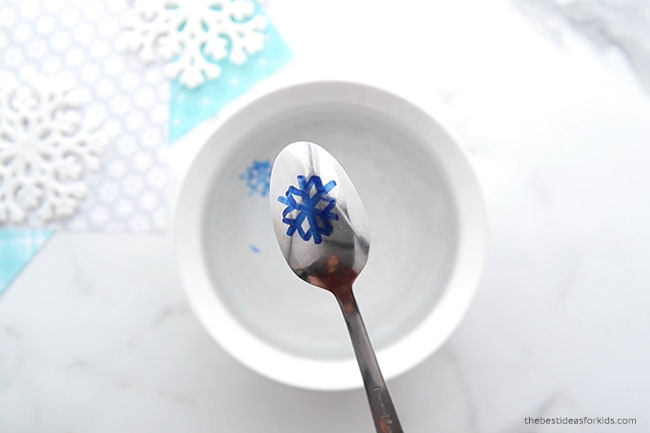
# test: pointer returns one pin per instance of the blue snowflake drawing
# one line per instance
(314, 208)
(257, 177)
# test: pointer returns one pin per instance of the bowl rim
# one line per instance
(288, 368)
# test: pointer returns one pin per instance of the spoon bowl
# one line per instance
(322, 229)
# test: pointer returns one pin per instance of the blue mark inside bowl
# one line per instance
(257, 177)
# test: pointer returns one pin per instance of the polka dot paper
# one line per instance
(83, 124)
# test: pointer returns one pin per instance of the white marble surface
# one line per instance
(95, 336)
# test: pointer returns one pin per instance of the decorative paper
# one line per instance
(84, 148)
(74, 43)
(193, 36)
(17, 247)
(189, 107)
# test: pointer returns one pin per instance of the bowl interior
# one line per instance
(413, 223)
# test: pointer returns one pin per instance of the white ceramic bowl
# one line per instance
(427, 222)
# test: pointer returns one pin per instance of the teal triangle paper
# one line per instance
(189, 107)
(17, 248)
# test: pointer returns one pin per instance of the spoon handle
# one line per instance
(381, 405)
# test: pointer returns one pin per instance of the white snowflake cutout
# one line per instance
(46, 146)
(192, 35)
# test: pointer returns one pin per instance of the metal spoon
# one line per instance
(322, 229)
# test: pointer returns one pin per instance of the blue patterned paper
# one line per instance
(17, 248)
(189, 107)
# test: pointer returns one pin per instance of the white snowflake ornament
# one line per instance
(46, 146)
(193, 35)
